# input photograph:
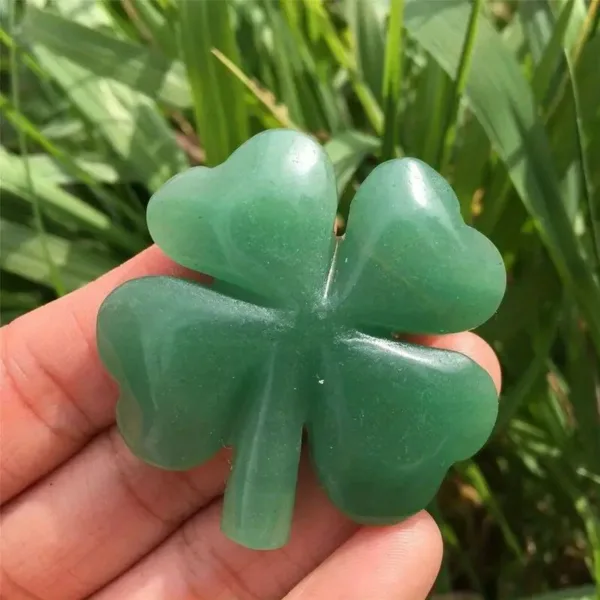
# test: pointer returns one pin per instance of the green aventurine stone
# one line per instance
(296, 332)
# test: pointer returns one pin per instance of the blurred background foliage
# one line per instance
(104, 100)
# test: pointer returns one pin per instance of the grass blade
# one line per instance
(503, 103)
(537, 20)
(473, 474)
(589, 22)
(584, 163)
(427, 112)
(52, 171)
(128, 121)
(531, 376)
(24, 126)
(313, 77)
(155, 25)
(221, 116)
(367, 25)
(460, 82)
(347, 62)
(61, 205)
(392, 78)
(286, 62)
(547, 66)
(576, 23)
(142, 69)
(575, 46)
(279, 111)
(584, 370)
(53, 271)
(469, 166)
(24, 253)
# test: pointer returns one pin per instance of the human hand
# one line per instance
(82, 517)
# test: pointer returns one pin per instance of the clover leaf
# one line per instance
(295, 334)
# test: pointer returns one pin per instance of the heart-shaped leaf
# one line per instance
(390, 419)
(183, 356)
(263, 220)
(409, 262)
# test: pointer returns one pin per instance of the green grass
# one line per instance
(102, 102)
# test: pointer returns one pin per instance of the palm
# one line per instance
(82, 516)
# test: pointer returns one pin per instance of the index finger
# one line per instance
(54, 390)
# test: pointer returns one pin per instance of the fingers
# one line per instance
(96, 516)
(400, 562)
(198, 562)
(99, 513)
(55, 392)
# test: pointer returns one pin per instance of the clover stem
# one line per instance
(260, 494)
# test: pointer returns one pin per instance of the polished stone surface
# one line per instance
(296, 332)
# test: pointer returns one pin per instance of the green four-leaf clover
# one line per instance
(296, 330)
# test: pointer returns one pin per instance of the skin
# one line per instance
(81, 517)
